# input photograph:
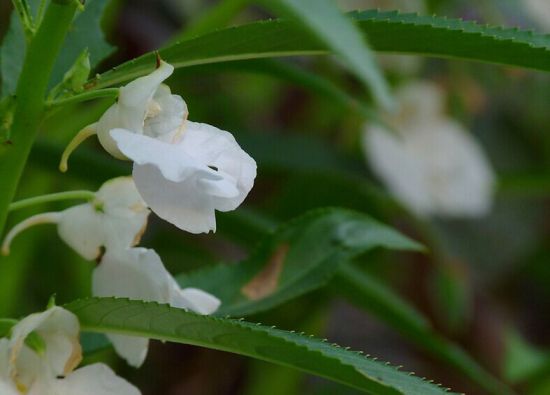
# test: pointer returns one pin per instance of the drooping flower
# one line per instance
(184, 170)
(138, 273)
(429, 162)
(50, 370)
(116, 218)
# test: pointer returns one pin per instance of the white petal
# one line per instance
(136, 95)
(401, 171)
(218, 148)
(70, 228)
(461, 179)
(174, 164)
(131, 108)
(182, 204)
(171, 116)
(96, 379)
(136, 273)
(195, 300)
(168, 181)
(116, 219)
(139, 273)
(185, 183)
(6, 388)
(59, 329)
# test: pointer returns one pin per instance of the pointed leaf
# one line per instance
(290, 349)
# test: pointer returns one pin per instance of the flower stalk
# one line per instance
(31, 90)
(52, 197)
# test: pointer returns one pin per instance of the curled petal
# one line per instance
(170, 116)
(134, 104)
(59, 329)
(219, 149)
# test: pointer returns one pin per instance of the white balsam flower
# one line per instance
(138, 273)
(50, 370)
(429, 162)
(116, 218)
(184, 170)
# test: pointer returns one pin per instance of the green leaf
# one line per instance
(522, 361)
(85, 33)
(376, 298)
(297, 258)
(290, 349)
(386, 31)
(339, 33)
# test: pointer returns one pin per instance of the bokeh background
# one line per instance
(487, 288)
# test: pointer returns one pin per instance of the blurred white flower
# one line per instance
(184, 170)
(539, 10)
(116, 218)
(49, 370)
(138, 273)
(429, 162)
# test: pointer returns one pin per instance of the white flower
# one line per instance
(145, 107)
(138, 273)
(50, 370)
(116, 218)
(429, 162)
(184, 170)
(184, 183)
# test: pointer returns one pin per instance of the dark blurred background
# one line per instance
(489, 287)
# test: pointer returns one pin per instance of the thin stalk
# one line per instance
(30, 96)
(52, 197)
(22, 8)
(89, 95)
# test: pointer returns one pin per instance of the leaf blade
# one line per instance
(297, 258)
(339, 33)
(163, 322)
(387, 31)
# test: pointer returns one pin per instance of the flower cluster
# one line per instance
(428, 161)
(183, 171)
(46, 365)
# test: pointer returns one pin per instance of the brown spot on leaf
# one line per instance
(265, 282)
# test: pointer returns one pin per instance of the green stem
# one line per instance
(89, 95)
(52, 197)
(30, 93)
